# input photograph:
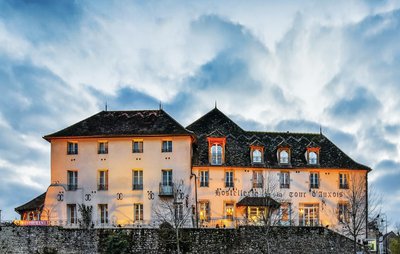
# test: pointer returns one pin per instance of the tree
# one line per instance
(394, 244)
(360, 205)
(175, 211)
(85, 220)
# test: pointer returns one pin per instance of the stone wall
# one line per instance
(243, 240)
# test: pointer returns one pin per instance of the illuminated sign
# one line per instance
(31, 222)
(372, 244)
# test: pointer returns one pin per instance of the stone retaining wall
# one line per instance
(243, 240)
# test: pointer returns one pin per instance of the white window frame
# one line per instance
(216, 152)
(284, 159)
(137, 179)
(138, 212)
(166, 146)
(72, 214)
(72, 147)
(229, 179)
(257, 156)
(204, 178)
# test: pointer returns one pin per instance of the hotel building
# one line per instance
(124, 163)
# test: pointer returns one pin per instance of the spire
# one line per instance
(106, 106)
(320, 129)
(215, 103)
(160, 106)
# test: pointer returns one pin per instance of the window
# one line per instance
(312, 158)
(204, 178)
(256, 154)
(258, 179)
(308, 214)
(72, 180)
(314, 180)
(166, 146)
(343, 212)
(255, 213)
(284, 157)
(285, 212)
(137, 146)
(71, 214)
(166, 186)
(138, 210)
(72, 147)
(284, 179)
(229, 211)
(343, 181)
(137, 179)
(102, 147)
(103, 180)
(216, 154)
(103, 212)
(205, 211)
(229, 178)
(216, 148)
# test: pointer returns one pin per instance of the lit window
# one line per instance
(255, 213)
(102, 147)
(343, 181)
(166, 146)
(137, 146)
(138, 210)
(284, 179)
(204, 211)
(314, 180)
(216, 154)
(308, 214)
(257, 156)
(343, 213)
(137, 179)
(284, 157)
(312, 158)
(72, 147)
(229, 211)
(204, 178)
(258, 179)
(72, 180)
(229, 179)
(103, 212)
(103, 180)
(71, 214)
(216, 150)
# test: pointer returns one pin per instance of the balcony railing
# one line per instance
(137, 186)
(285, 186)
(72, 187)
(343, 186)
(258, 185)
(102, 151)
(166, 190)
(314, 186)
(102, 187)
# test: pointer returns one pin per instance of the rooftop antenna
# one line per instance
(215, 103)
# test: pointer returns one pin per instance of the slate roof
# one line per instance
(35, 204)
(238, 141)
(124, 123)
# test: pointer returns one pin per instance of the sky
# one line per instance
(270, 65)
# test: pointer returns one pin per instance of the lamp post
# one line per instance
(385, 236)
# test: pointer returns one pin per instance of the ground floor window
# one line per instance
(71, 214)
(229, 210)
(103, 211)
(204, 211)
(138, 210)
(308, 214)
(255, 213)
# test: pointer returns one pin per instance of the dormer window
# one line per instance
(256, 154)
(216, 150)
(283, 156)
(312, 155)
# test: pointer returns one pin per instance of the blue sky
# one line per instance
(271, 66)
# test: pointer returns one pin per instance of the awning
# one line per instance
(35, 204)
(259, 201)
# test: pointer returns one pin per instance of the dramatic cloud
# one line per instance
(271, 66)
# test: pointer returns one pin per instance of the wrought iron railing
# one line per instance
(166, 189)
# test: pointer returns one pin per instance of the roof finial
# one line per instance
(160, 105)
(215, 103)
(106, 106)
(320, 129)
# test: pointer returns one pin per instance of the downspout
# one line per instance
(195, 185)
(366, 204)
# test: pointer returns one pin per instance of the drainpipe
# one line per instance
(195, 186)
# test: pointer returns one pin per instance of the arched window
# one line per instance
(283, 157)
(257, 156)
(216, 154)
(312, 158)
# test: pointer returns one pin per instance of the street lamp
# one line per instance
(385, 236)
